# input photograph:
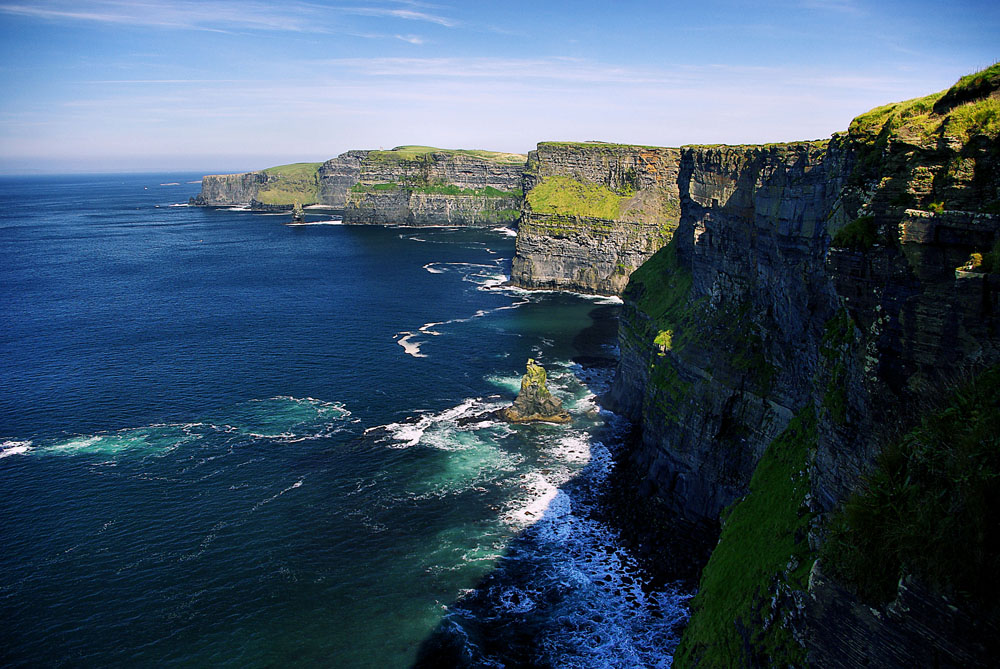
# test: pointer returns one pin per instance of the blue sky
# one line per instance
(114, 85)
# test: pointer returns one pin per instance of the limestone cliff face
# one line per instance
(816, 282)
(593, 212)
(717, 374)
(230, 190)
(407, 185)
(413, 186)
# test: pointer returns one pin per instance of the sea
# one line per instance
(229, 441)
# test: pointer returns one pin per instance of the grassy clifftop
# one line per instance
(415, 152)
(288, 184)
(970, 107)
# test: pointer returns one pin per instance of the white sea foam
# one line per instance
(241, 208)
(432, 268)
(332, 221)
(181, 204)
(172, 183)
(403, 339)
(8, 448)
(505, 231)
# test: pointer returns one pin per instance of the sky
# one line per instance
(214, 85)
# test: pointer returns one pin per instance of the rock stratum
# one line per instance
(812, 365)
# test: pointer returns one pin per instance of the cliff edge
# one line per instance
(816, 302)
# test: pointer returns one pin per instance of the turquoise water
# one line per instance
(230, 441)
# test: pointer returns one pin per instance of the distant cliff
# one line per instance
(418, 185)
(593, 212)
(409, 185)
(274, 188)
(799, 360)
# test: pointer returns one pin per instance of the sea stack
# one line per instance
(535, 403)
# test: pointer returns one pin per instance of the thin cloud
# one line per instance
(217, 15)
(412, 39)
(406, 14)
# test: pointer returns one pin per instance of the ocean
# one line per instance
(229, 441)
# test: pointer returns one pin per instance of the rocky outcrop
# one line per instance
(592, 213)
(534, 403)
(807, 302)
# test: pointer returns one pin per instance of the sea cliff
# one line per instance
(592, 213)
(408, 185)
(806, 319)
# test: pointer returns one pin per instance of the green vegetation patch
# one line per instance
(298, 182)
(860, 234)
(930, 506)
(416, 152)
(968, 108)
(661, 289)
(762, 553)
(568, 197)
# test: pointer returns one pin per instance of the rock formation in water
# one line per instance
(808, 369)
(534, 402)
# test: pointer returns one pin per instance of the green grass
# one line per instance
(565, 196)
(860, 234)
(416, 152)
(594, 145)
(763, 544)
(967, 109)
(930, 506)
(661, 289)
(298, 182)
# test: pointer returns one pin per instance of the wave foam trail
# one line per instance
(505, 231)
(12, 447)
(283, 419)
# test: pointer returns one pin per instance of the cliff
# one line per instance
(592, 213)
(807, 303)
(416, 185)
(276, 187)
(409, 185)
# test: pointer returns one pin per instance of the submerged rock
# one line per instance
(534, 402)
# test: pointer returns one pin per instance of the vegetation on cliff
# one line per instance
(762, 556)
(290, 184)
(929, 508)
(565, 196)
(936, 152)
(415, 152)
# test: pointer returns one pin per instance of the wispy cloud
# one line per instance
(412, 39)
(397, 13)
(218, 15)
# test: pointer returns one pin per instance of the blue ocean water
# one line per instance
(230, 441)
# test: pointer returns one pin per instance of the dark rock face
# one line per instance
(760, 308)
(534, 402)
